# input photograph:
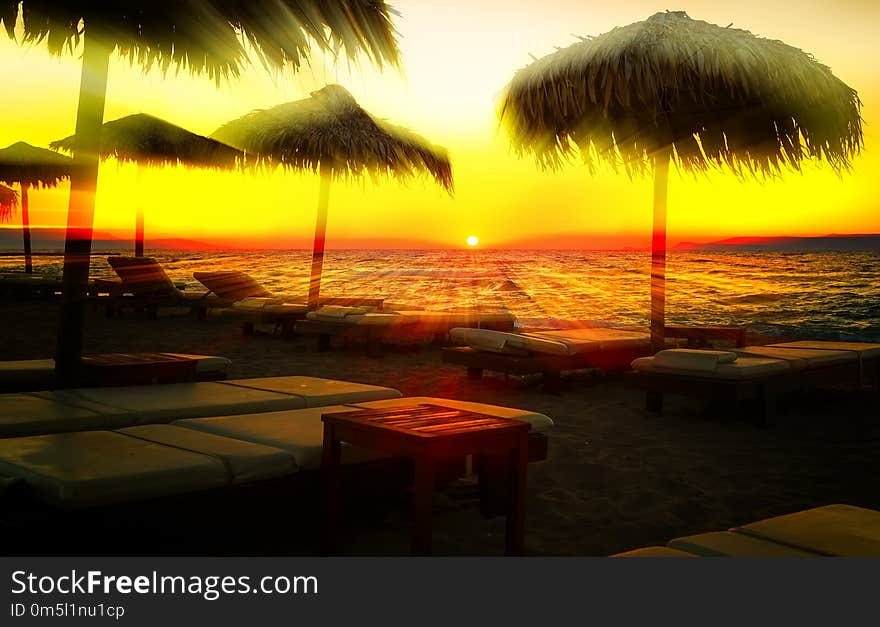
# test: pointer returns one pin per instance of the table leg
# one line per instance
(654, 401)
(374, 344)
(516, 514)
(330, 456)
(323, 342)
(423, 499)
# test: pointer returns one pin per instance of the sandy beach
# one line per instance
(617, 476)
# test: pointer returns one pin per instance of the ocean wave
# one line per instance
(752, 299)
(831, 295)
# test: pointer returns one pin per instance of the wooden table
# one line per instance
(136, 368)
(427, 434)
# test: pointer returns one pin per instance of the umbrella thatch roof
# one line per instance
(24, 164)
(329, 129)
(209, 35)
(8, 203)
(147, 140)
(720, 96)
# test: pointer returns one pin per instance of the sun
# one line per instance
(473, 240)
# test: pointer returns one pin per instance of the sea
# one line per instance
(820, 295)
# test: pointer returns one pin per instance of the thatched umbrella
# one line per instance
(148, 141)
(205, 37)
(8, 202)
(329, 133)
(28, 166)
(675, 89)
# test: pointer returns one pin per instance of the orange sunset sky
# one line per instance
(457, 56)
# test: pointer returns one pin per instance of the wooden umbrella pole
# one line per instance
(139, 221)
(320, 235)
(26, 229)
(139, 233)
(81, 207)
(658, 248)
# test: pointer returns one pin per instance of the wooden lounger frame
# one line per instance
(552, 366)
(285, 322)
(763, 391)
(373, 334)
(32, 528)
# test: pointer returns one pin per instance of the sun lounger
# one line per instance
(836, 530)
(832, 530)
(20, 285)
(25, 414)
(96, 468)
(146, 286)
(759, 374)
(232, 285)
(318, 392)
(39, 374)
(438, 324)
(252, 299)
(655, 551)
(729, 544)
(27, 374)
(236, 286)
(117, 407)
(867, 355)
(75, 470)
(344, 322)
(299, 432)
(244, 461)
(546, 352)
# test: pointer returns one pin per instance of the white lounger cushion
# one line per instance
(655, 551)
(33, 373)
(727, 544)
(299, 432)
(339, 311)
(692, 359)
(206, 363)
(255, 303)
(317, 392)
(742, 369)
(286, 309)
(118, 407)
(451, 319)
(866, 350)
(164, 403)
(506, 343)
(564, 342)
(30, 373)
(366, 319)
(244, 461)
(837, 530)
(591, 339)
(800, 358)
(101, 467)
(539, 422)
(24, 414)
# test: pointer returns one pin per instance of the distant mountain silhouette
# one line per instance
(53, 240)
(825, 243)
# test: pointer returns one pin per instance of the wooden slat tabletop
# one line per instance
(424, 420)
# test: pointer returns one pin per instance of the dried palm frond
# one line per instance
(719, 96)
(330, 130)
(209, 35)
(24, 164)
(8, 203)
(147, 140)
